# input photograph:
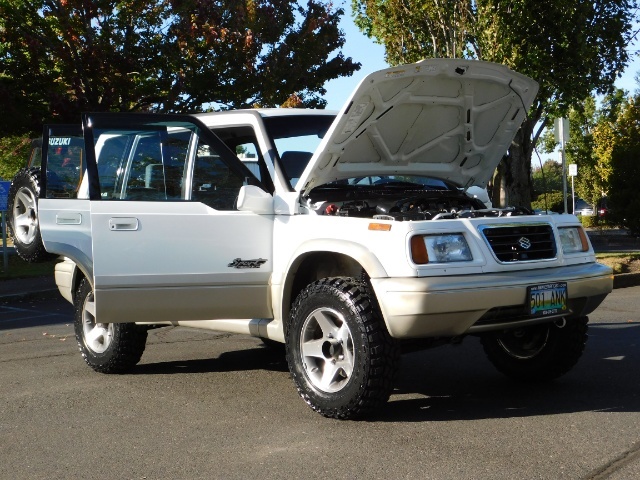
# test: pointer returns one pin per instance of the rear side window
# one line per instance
(65, 166)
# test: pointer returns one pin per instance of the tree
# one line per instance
(547, 178)
(592, 132)
(624, 152)
(583, 122)
(570, 47)
(62, 57)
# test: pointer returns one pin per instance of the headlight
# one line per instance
(451, 247)
(573, 240)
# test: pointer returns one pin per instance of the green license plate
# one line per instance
(547, 299)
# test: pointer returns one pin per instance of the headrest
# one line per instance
(294, 163)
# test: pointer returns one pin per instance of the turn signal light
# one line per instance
(419, 250)
(380, 227)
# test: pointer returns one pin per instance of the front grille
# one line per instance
(520, 243)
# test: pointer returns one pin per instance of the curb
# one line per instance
(624, 280)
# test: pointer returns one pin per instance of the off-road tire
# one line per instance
(22, 216)
(537, 353)
(334, 324)
(107, 348)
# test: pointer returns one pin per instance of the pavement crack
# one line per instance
(618, 463)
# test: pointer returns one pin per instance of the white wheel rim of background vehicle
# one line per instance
(97, 336)
(326, 348)
(25, 216)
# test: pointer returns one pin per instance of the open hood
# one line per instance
(444, 118)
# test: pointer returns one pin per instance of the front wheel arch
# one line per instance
(313, 265)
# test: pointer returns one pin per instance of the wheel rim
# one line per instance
(524, 343)
(326, 347)
(25, 216)
(97, 336)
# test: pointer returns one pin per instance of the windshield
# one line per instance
(296, 138)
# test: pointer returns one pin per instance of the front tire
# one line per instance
(537, 353)
(23, 220)
(105, 347)
(340, 354)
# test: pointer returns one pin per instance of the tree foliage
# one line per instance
(571, 47)
(552, 201)
(547, 178)
(61, 57)
(590, 146)
(583, 125)
(624, 155)
(14, 154)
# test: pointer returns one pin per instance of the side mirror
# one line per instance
(254, 199)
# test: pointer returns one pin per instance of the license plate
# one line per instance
(547, 299)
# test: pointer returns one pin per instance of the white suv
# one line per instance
(344, 236)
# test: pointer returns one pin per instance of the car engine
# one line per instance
(422, 205)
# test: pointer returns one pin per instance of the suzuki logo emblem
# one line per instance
(525, 243)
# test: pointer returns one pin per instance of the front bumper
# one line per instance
(456, 305)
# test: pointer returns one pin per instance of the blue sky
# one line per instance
(361, 49)
(371, 56)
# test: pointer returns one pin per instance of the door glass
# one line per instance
(146, 165)
(247, 153)
(242, 140)
(156, 158)
(214, 183)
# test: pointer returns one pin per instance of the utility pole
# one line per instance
(561, 133)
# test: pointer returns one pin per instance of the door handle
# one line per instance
(126, 224)
(69, 218)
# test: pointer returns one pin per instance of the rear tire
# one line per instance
(340, 354)
(23, 221)
(537, 353)
(105, 347)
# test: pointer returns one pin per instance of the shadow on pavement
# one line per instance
(260, 358)
(458, 383)
(463, 385)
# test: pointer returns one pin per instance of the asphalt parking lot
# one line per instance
(207, 405)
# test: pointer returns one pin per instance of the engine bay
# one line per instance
(387, 202)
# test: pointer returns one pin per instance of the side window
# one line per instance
(161, 158)
(242, 140)
(214, 183)
(248, 154)
(142, 165)
(65, 164)
(112, 155)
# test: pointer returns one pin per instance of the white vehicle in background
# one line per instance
(348, 237)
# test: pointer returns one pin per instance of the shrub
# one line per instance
(14, 154)
(590, 221)
(553, 202)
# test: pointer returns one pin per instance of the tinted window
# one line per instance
(65, 157)
(214, 183)
(142, 165)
